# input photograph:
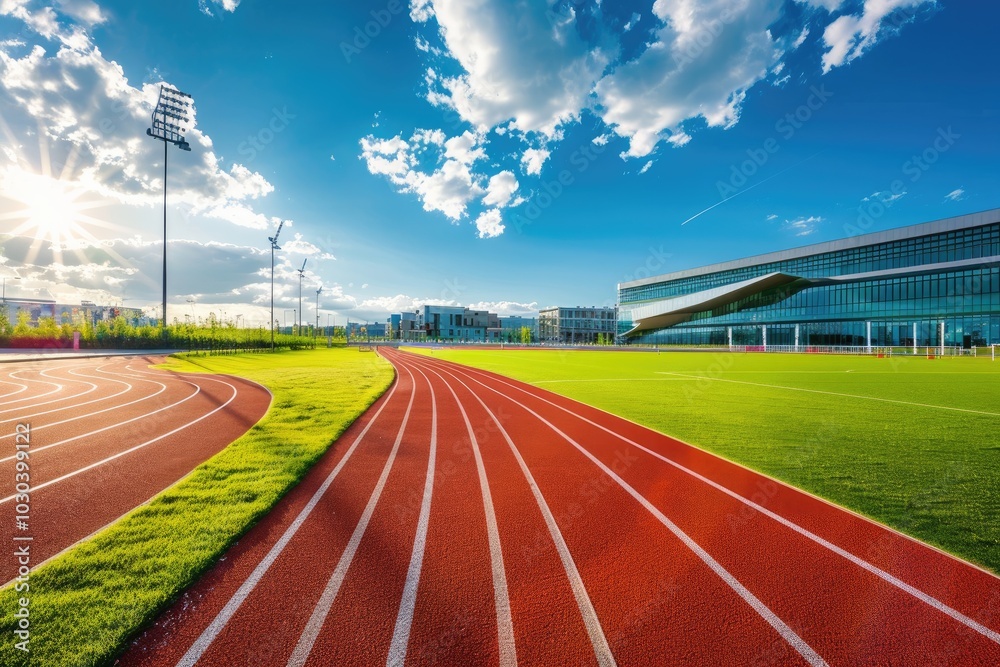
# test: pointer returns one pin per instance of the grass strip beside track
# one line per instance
(88, 602)
(911, 442)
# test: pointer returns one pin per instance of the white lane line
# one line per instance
(834, 393)
(127, 389)
(598, 641)
(311, 632)
(58, 388)
(73, 371)
(45, 374)
(880, 573)
(408, 602)
(23, 388)
(220, 621)
(772, 619)
(501, 597)
(117, 424)
(565, 381)
(131, 449)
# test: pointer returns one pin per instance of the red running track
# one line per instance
(469, 519)
(106, 436)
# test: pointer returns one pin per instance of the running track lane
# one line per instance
(608, 544)
(108, 434)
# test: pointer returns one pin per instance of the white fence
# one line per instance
(924, 351)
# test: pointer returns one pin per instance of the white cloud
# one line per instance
(448, 186)
(533, 159)
(227, 5)
(71, 118)
(885, 196)
(421, 10)
(829, 5)
(84, 11)
(689, 72)
(518, 65)
(646, 167)
(507, 308)
(299, 246)
(87, 113)
(958, 194)
(489, 224)
(803, 226)
(501, 189)
(772, 216)
(530, 71)
(849, 36)
(800, 40)
(399, 303)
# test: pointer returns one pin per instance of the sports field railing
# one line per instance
(883, 350)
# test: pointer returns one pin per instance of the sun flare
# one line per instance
(51, 210)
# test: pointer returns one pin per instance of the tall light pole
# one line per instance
(316, 330)
(175, 105)
(302, 273)
(274, 246)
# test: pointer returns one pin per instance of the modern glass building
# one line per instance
(904, 286)
(576, 325)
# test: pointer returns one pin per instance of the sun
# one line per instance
(51, 209)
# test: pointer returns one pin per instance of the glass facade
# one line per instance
(576, 325)
(900, 289)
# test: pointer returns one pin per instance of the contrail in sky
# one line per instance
(748, 189)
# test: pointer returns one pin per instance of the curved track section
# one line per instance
(468, 518)
(108, 434)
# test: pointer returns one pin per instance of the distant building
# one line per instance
(456, 323)
(577, 325)
(511, 326)
(364, 330)
(87, 311)
(936, 283)
(405, 326)
(35, 308)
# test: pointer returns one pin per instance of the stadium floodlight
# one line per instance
(316, 330)
(175, 105)
(302, 272)
(274, 246)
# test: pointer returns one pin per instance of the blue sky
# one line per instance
(478, 152)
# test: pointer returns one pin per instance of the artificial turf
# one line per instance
(911, 442)
(86, 603)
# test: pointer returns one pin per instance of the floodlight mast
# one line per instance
(302, 273)
(175, 105)
(316, 330)
(274, 246)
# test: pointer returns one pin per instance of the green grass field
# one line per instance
(87, 603)
(911, 442)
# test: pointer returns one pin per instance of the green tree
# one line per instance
(23, 327)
